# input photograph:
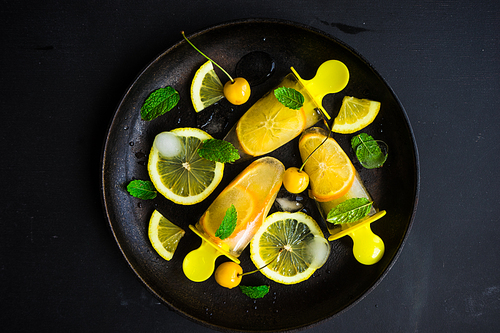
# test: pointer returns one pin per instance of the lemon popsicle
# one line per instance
(330, 165)
(252, 194)
(269, 124)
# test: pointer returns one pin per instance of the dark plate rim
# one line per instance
(302, 26)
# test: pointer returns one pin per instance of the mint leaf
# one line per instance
(159, 102)
(254, 292)
(368, 151)
(349, 211)
(289, 97)
(142, 189)
(228, 223)
(218, 151)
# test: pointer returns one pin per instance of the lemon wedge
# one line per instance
(206, 87)
(164, 235)
(355, 114)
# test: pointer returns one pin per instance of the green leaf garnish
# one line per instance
(349, 211)
(289, 97)
(228, 223)
(142, 189)
(254, 292)
(159, 102)
(218, 151)
(368, 151)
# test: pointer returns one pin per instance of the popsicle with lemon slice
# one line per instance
(252, 193)
(268, 124)
(334, 180)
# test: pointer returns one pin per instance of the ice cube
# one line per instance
(168, 144)
(318, 249)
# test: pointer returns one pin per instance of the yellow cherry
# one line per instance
(295, 180)
(228, 274)
(237, 92)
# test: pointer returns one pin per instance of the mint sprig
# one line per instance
(159, 102)
(142, 189)
(289, 97)
(349, 211)
(228, 223)
(218, 151)
(254, 292)
(368, 151)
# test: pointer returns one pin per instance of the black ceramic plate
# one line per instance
(342, 281)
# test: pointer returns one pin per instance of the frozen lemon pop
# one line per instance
(334, 180)
(252, 194)
(269, 124)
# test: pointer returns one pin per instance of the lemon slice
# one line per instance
(355, 114)
(164, 235)
(185, 178)
(206, 88)
(292, 246)
(331, 173)
(265, 127)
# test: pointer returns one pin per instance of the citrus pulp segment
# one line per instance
(264, 128)
(289, 246)
(331, 173)
(206, 87)
(164, 235)
(187, 178)
(355, 114)
(244, 202)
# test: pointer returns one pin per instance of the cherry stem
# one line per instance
(258, 269)
(203, 54)
(329, 133)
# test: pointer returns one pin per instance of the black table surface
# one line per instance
(64, 68)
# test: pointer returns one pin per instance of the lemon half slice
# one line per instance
(206, 88)
(244, 202)
(355, 114)
(331, 173)
(292, 246)
(266, 126)
(164, 235)
(186, 178)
